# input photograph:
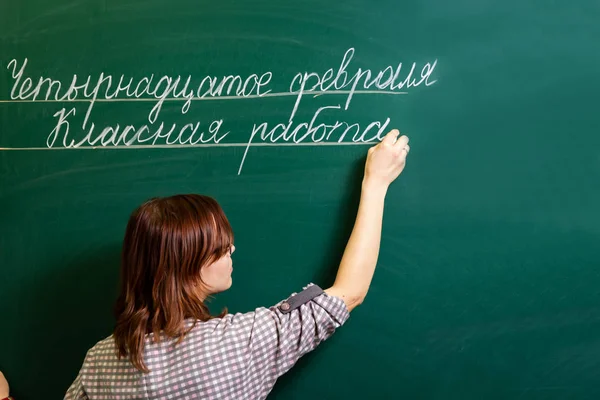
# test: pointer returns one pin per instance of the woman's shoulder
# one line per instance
(103, 351)
(103, 346)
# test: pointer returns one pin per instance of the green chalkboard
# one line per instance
(488, 279)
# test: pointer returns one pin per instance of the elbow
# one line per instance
(360, 298)
(355, 301)
(352, 298)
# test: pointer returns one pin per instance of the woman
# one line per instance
(177, 252)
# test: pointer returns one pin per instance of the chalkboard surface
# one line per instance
(487, 285)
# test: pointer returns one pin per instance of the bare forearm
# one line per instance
(360, 256)
(385, 162)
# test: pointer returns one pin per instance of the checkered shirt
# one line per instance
(239, 356)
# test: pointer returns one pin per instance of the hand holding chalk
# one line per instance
(386, 160)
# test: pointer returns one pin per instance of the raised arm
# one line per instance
(385, 162)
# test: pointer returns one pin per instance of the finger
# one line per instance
(391, 137)
(402, 142)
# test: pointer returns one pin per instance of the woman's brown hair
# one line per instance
(167, 242)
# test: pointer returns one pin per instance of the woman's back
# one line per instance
(238, 356)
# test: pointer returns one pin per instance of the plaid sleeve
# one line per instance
(279, 338)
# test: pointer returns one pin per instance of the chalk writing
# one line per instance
(314, 132)
(131, 135)
(342, 80)
(384, 79)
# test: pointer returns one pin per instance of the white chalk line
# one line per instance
(254, 96)
(182, 146)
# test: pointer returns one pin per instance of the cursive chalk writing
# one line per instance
(75, 128)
